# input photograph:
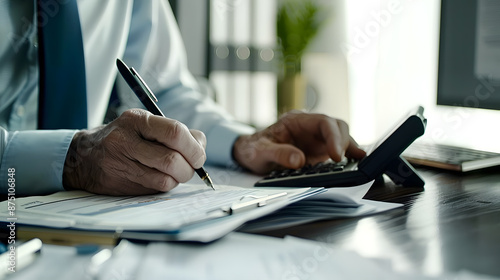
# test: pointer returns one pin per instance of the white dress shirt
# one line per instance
(145, 35)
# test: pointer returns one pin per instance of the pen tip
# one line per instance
(205, 177)
(210, 183)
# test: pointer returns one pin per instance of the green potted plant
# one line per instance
(298, 22)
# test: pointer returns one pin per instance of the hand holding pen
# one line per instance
(137, 153)
(148, 99)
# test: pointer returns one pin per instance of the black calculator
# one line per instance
(383, 157)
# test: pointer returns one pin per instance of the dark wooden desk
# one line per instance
(451, 225)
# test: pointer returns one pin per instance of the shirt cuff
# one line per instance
(38, 160)
(220, 141)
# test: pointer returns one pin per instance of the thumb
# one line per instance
(354, 151)
(285, 155)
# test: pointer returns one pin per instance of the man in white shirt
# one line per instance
(137, 153)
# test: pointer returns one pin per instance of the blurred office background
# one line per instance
(371, 62)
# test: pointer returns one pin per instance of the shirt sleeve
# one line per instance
(37, 158)
(156, 50)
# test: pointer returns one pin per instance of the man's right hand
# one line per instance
(138, 153)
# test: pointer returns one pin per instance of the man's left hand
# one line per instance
(296, 139)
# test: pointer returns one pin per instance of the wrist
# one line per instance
(235, 150)
(73, 164)
(242, 152)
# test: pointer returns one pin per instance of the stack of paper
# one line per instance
(331, 204)
(187, 213)
(191, 212)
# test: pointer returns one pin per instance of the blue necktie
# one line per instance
(62, 96)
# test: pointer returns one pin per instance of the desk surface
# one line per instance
(451, 225)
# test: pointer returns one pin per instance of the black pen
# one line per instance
(149, 100)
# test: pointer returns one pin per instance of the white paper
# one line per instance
(243, 256)
(348, 195)
(169, 211)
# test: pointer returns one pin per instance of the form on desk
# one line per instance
(188, 212)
